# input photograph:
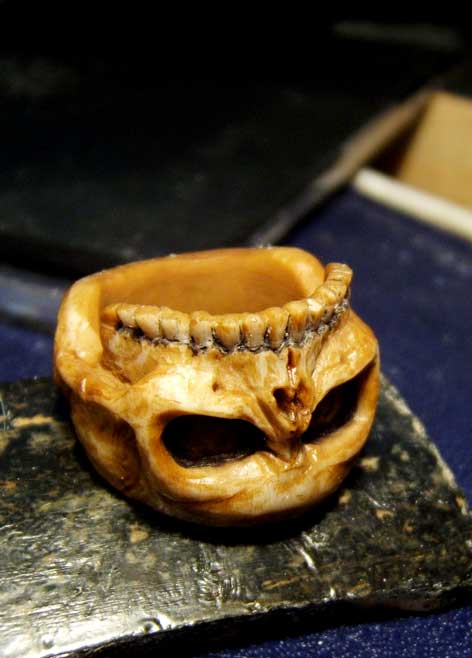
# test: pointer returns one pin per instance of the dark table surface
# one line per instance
(412, 284)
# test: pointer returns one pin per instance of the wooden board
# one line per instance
(436, 156)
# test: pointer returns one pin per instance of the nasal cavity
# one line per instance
(196, 441)
(290, 401)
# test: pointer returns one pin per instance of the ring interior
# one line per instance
(234, 281)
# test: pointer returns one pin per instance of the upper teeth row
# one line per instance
(271, 329)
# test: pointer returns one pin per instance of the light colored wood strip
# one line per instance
(421, 205)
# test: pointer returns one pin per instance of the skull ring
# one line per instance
(224, 387)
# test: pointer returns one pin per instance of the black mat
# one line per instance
(104, 160)
(83, 568)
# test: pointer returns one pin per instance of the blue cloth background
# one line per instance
(413, 286)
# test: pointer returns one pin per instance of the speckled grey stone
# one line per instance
(83, 569)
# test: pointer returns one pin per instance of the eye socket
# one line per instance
(196, 441)
(335, 409)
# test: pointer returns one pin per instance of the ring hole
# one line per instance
(196, 441)
(336, 408)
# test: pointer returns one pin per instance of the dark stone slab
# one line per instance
(84, 569)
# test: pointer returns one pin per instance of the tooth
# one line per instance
(183, 327)
(201, 324)
(126, 313)
(335, 286)
(253, 330)
(147, 320)
(175, 325)
(298, 312)
(339, 272)
(276, 320)
(228, 332)
(338, 288)
(315, 312)
(110, 315)
(326, 295)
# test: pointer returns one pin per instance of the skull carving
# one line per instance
(224, 387)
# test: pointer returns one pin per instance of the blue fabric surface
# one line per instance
(412, 285)
(24, 353)
(442, 635)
